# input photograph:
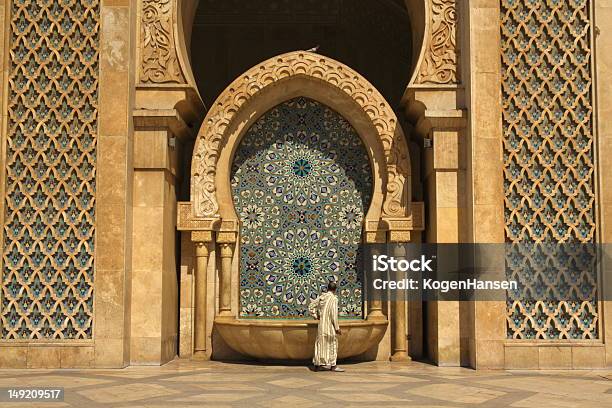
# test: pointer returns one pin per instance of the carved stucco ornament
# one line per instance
(159, 59)
(440, 57)
(213, 133)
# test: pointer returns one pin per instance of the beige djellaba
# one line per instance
(325, 308)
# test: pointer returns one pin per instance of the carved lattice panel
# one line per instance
(49, 224)
(549, 169)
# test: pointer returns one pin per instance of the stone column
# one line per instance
(435, 104)
(199, 289)
(154, 279)
(400, 339)
(226, 245)
(114, 164)
(164, 119)
(201, 253)
(398, 307)
(375, 307)
(375, 310)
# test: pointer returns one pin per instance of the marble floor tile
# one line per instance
(183, 383)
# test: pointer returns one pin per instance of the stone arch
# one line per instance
(280, 92)
(278, 79)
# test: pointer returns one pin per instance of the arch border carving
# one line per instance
(396, 203)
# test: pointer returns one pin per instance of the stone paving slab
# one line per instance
(184, 383)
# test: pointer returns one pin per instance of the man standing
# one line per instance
(325, 309)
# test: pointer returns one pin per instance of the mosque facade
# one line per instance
(181, 177)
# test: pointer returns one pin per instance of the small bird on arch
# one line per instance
(314, 49)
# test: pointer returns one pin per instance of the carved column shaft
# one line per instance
(200, 298)
(225, 305)
(375, 306)
(399, 323)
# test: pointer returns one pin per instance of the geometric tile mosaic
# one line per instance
(301, 182)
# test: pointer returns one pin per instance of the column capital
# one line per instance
(227, 249)
(399, 236)
(376, 237)
(202, 237)
(201, 248)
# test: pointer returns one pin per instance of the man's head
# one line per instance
(331, 287)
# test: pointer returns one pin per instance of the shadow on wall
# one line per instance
(371, 36)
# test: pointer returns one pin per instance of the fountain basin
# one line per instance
(294, 340)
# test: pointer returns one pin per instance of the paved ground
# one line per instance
(189, 384)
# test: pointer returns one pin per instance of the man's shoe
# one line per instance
(337, 369)
(322, 368)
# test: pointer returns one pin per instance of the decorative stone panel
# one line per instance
(549, 165)
(50, 165)
(439, 64)
(159, 59)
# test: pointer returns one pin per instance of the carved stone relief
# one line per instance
(159, 59)
(213, 133)
(549, 169)
(439, 63)
(47, 287)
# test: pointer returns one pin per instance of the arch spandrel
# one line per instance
(438, 61)
(276, 72)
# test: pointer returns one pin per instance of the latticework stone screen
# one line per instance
(49, 217)
(549, 167)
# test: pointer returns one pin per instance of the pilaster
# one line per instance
(154, 283)
(444, 180)
(484, 321)
(112, 282)
(603, 76)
